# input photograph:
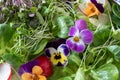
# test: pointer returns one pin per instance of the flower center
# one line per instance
(57, 56)
(35, 77)
(76, 39)
(92, 10)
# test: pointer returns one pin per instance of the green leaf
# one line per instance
(21, 15)
(115, 50)
(101, 35)
(80, 75)
(14, 59)
(105, 72)
(40, 18)
(74, 59)
(63, 23)
(33, 9)
(6, 32)
(65, 78)
(115, 19)
(42, 45)
(116, 11)
(116, 34)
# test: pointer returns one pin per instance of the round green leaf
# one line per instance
(106, 72)
(63, 23)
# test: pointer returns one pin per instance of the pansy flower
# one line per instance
(58, 56)
(93, 8)
(38, 69)
(35, 75)
(80, 36)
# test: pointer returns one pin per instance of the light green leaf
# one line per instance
(65, 78)
(115, 50)
(40, 18)
(80, 75)
(105, 72)
(63, 23)
(116, 34)
(33, 9)
(42, 45)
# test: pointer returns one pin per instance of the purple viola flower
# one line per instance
(80, 36)
(98, 5)
(58, 56)
(27, 67)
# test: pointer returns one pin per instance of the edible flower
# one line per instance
(36, 74)
(58, 56)
(93, 9)
(79, 36)
(39, 68)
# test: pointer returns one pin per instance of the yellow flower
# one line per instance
(58, 59)
(58, 56)
(91, 10)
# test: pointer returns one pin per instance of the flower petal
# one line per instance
(81, 24)
(56, 43)
(63, 48)
(50, 51)
(76, 46)
(27, 67)
(73, 31)
(59, 59)
(86, 36)
(26, 76)
(37, 70)
(41, 77)
(98, 5)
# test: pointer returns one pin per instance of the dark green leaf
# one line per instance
(6, 32)
(116, 11)
(115, 20)
(14, 59)
(101, 35)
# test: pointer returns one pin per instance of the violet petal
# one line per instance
(56, 43)
(27, 67)
(98, 5)
(31, 15)
(50, 51)
(73, 31)
(81, 24)
(76, 46)
(63, 48)
(87, 36)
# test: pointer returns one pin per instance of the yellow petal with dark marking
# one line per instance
(91, 10)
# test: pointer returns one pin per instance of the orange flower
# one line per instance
(91, 10)
(36, 74)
